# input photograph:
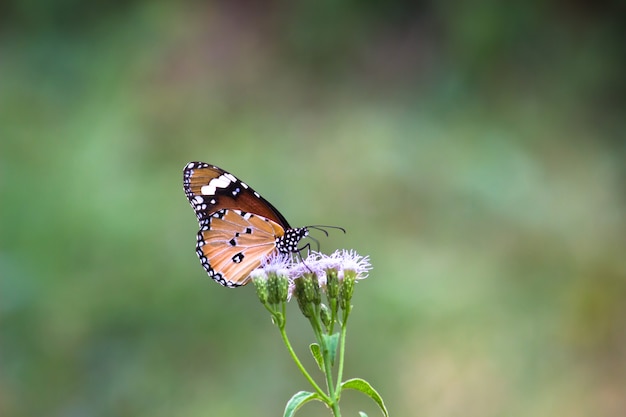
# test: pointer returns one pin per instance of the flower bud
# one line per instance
(325, 316)
(302, 292)
(260, 283)
(310, 288)
(283, 288)
(272, 286)
(316, 292)
(347, 289)
(332, 283)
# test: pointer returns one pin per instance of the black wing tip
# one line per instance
(196, 164)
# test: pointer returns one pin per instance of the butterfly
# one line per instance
(238, 227)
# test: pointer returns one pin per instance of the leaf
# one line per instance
(365, 387)
(298, 400)
(362, 414)
(331, 344)
(317, 355)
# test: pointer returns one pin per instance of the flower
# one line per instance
(271, 279)
(341, 263)
(333, 270)
(278, 263)
(349, 260)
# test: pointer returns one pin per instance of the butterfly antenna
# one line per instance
(323, 227)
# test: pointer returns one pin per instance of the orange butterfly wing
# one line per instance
(234, 243)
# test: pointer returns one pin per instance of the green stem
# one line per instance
(328, 372)
(326, 354)
(333, 315)
(342, 350)
(268, 308)
(322, 394)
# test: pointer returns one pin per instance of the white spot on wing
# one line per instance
(220, 182)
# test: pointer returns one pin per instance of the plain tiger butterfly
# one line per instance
(238, 227)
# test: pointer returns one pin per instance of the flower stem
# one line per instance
(342, 350)
(321, 393)
(333, 317)
(328, 371)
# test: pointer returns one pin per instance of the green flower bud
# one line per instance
(316, 292)
(273, 288)
(260, 283)
(325, 316)
(347, 289)
(278, 287)
(283, 288)
(332, 284)
(302, 295)
(308, 289)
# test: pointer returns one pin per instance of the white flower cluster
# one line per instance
(317, 263)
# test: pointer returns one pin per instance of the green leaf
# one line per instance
(317, 355)
(298, 400)
(331, 343)
(365, 387)
(362, 414)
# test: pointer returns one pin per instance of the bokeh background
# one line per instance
(475, 150)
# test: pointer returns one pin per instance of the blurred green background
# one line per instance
(475, 150)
